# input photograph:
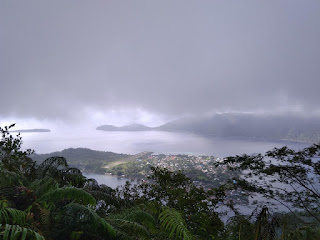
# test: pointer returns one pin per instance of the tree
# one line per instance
(288, 177)
(52, 196)
(12, 158)
(176, 191)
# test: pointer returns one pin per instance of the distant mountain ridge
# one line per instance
(258, 126)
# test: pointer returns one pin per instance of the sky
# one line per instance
(118, 62)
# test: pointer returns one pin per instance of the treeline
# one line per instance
(50, 200)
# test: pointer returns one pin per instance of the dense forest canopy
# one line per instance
(51, 200)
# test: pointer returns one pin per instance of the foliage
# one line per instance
(71, 194)
(173, 222)
(289, 177)
(55, 201)
(58, 169)
(11, 156)
(43, 185)
(11, 215)
(133, 223)
(10, 179)
(304, 233)
(76, 217)
(15, 232)
(175, 190)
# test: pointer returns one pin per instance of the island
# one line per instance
(38, 130)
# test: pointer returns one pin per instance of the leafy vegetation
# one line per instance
(51, 200)
(288, 177)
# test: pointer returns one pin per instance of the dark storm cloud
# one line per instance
(58, 58)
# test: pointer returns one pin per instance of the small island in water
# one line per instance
(32, 130)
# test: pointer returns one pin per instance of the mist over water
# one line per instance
(153, 141)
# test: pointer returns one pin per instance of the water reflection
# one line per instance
(154, 141)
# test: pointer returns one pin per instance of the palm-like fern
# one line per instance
(44, 185)
(173, 222)
(9, 179)
(51, 164)
(58, 169)
(76, 217)
(133, 223)
(42, 216)
(71, 194)
(73, 177)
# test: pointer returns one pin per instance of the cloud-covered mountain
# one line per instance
(288, 127)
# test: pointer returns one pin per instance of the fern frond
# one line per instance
(132, 222)
(53, 162)
(134, 214)
(73, 176)
(42, 215)
(106, 197)
(43, 185)
(69, 193)
(51, 167)
(91, 183)
(173, 222)
(131, 228)
(76, 217)
(15, 232)
(10, 179)
(11, 215)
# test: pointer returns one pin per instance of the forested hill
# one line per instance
(83, 158)
(279, 127)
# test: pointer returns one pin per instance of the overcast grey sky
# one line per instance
(150, 60)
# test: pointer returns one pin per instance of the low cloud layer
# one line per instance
(65, 59)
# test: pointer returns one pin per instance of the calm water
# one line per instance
(136, 142)
(111, 181)
(153, 141)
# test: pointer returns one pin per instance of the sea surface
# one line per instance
(153, 141)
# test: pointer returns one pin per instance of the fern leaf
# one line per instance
(11, 215)
(43, 185)
(69, 193)
(54, 162)
(10, 179)
(173, 222)
(77, 217)
(15, 232)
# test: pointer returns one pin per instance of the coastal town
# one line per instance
(202, 171)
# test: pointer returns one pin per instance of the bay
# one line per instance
(153, 141)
